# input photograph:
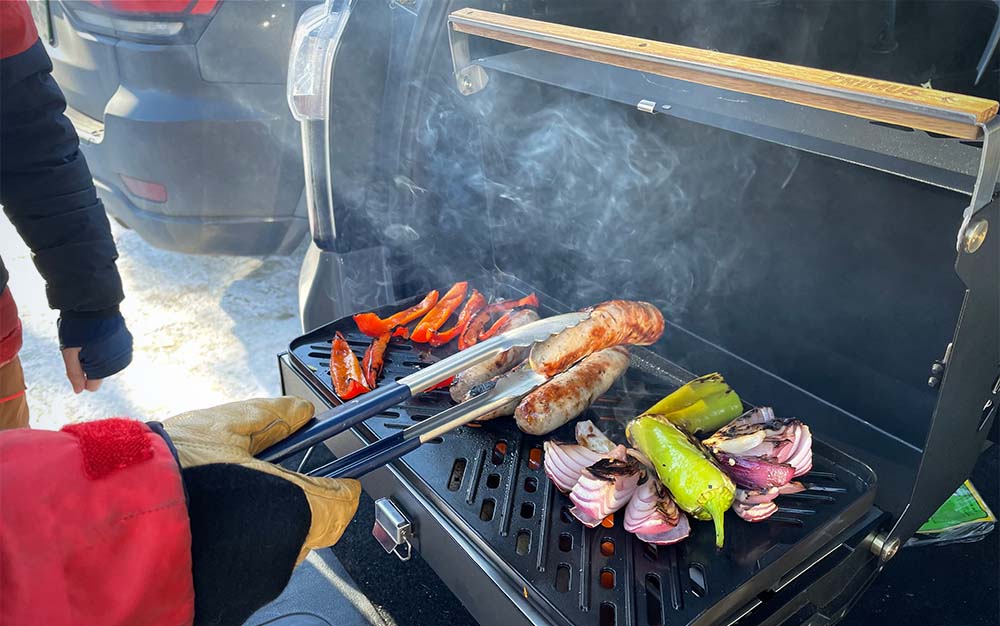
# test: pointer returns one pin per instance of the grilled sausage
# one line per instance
(570, 393)
(482, 372)
(611, 323)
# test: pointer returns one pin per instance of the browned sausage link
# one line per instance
(570, 393)
(482, 372)
(611, 323)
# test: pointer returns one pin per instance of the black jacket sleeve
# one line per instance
(47, 191)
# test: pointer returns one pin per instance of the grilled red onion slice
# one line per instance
(604, 487)
(754, 472)
(758, 449)
(755, 512)
(653, 516)
(565, 462)
(801, 456)
(669, 536)
(591, 437)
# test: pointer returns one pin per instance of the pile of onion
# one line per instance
(602, 478)
(762, 454)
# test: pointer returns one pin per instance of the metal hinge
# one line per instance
(971, 234)
(392, 529)
(938, 367)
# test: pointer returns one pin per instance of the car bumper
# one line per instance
(205, 234)
(228, 155)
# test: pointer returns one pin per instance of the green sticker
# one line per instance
(965, 506)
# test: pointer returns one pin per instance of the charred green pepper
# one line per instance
(698, 485)
(703, 405)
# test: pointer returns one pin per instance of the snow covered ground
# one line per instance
(207, 330)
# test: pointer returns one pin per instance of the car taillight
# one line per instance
(148, 21)
(145, 189)
(310, 64)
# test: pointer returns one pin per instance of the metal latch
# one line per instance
(392, 529)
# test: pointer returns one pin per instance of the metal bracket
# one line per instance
(470, 78)
(986, 180)
(392, 529)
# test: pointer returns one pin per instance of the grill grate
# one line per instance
(491, 478)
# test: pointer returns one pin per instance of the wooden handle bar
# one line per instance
(951, 114)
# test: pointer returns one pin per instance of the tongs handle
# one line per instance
(336, 420)
(371, 457)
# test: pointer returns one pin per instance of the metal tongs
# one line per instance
(351, 413)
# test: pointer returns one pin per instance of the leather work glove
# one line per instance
(251, 521)
(94, 346)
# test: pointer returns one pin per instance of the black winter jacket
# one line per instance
(47, 191)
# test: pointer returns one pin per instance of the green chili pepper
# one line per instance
(697, 484)
(708, 414)
(698, 389)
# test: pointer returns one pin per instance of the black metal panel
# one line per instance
(499, 494)
(970, 388)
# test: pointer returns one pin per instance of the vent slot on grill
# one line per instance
(457, 474)
(499, 452)
(563, 578)
(487, 510)
(565, 542)
(607, 614)
(654, 605)
(523, 542)
(527, 510)
(698, 585)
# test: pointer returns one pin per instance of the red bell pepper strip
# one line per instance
(476, 330)
(401, 331)
(472, 307)
(444, 384)
(470, 336)
(374, 326)
(530, 300)
(345, 371)
(498, 327)
(437, 316)
(374, 359)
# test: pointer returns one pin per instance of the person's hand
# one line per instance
(251, 521)
(94, 346)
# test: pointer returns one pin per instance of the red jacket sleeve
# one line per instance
(93, 528)
(17, 29)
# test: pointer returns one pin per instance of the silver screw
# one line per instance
(975, 235)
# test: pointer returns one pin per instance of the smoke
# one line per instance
(584, 198)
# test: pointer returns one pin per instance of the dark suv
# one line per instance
(180, 107)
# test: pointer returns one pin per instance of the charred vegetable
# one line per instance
(472, 307)
(698, 485)
(652, 515)
(700, 406)
(605, 487)
(374, 326)
(345, 371)
(438, 315)
(759, 450)
(374, 359)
